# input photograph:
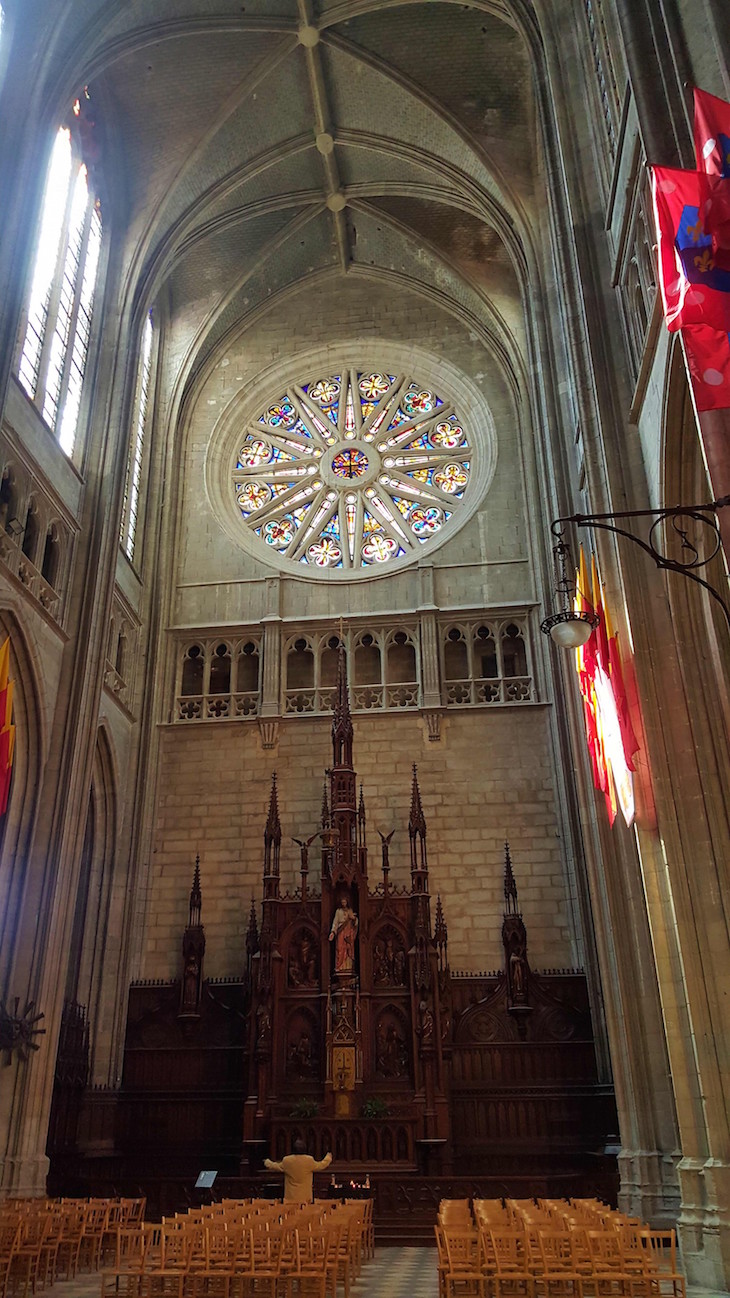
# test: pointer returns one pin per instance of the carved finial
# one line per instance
(272, 844)
(385, 841)
(252, 936)
(417, 821)
(361, 808)
(272, 833)
(510, 886)
(342, 720)
(325, 816)
(417, 834)
(440, 931)
(196, 897)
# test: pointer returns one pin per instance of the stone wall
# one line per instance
(491, 775)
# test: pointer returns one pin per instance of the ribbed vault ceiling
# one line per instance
(266, 144)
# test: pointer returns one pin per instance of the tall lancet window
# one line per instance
(133, 485)
(55, 346)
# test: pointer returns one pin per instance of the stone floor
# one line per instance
(393, 1273)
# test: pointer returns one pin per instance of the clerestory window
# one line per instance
(133, 485)
(57, 326)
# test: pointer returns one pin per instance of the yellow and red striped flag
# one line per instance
(7, 729)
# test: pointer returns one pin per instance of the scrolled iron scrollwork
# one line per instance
(703, 514)
(17, 1031)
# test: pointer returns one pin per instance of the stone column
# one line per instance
(271, 666)
(430, 675)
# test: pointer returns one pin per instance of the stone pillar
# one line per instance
(271, 666)
(430, 675)
(686, 880)
(633, 1011)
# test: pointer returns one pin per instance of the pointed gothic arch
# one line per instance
(18, 824)
(91, 975)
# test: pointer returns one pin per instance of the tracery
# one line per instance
(353, 470)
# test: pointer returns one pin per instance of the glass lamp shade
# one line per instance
(569, 630)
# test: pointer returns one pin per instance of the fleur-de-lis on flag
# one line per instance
(705, 262)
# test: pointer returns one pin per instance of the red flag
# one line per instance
(630, 742)
(712, 134)
(708, 362)
(694, 288)
(712, 145)
(600, 631)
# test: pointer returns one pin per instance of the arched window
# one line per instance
(514, 654)
(120, 663)
(220, 670)
(367, 660)
(192, 672)
(9, 496)
(456, 656)
(300, 677)
(328, 662)
(401, 671)
(133, 485)
(246, 701)
(51, 556)
(485, 654)
(53, 356)
(31, 532)
(248, 668)
(300, 666)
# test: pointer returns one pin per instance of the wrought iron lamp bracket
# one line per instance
(704, 514)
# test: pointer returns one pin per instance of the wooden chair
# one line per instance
(48, 1261)
(660, 1253)
(10, 1231)
(26, 1261)
(69, 1247)
(123, 1278)
(558, 1277)
(263, 1279)
(163, 1276)
(369, 1227)
(347, 1251)
(609, 1277)
(512, 1277)
(95, 1226)
(356, 1209)
(313, 1273)
(115, 1218)
(465, 1277)
(443, 1258)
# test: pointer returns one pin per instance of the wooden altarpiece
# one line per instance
(346, 1028)
(346, 985)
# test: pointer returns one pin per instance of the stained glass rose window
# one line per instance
(353, 470)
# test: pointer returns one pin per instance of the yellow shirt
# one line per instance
(298, 1170)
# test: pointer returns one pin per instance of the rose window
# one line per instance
(353, 470)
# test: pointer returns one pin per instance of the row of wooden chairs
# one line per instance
(42, 1240)
(245, 1249)
(523, 1249)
